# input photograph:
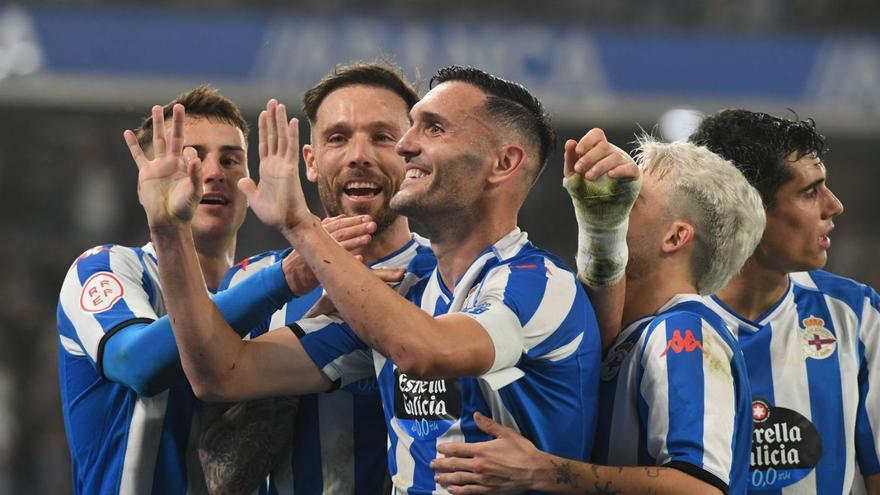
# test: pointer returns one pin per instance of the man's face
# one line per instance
(798, 225)
(447, 151)
(223, 152)
(648, 220)
(352, 157)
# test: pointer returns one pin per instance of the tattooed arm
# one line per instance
(239, 444)
(511, 464)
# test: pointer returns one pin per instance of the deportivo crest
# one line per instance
(611, 364)
(100, 292)
(817, 341)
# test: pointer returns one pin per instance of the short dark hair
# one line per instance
(758, 144)
(510, 104)
(203, 101)
(382, 75)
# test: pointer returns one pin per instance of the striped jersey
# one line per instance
(544, 382)
(120, 442)
(812, 359)
(339, 439)
(674, 392)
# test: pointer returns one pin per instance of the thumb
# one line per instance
(193, 167)
(487, 425)
(570, 158)
(247, 186)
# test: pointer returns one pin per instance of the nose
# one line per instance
(833, 206)
(361, 153)
(212, 171)
(407, 146)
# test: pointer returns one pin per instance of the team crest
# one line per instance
(611, 364)
(760, 411)
(100, 292)
(817, 341)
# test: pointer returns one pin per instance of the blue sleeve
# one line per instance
(144, 356)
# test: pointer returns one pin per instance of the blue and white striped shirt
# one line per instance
(544, 382)
(675, 393)
(812, 360)
(339, 438)
(120, 442)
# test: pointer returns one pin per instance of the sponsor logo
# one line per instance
(611, 364)
(479, 309)
(100, 292)
(426, 408)
(785, 446)
(817, 341)
(243, 264)
(678, 344)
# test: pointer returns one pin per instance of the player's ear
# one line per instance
(309, 157)
(679, 235)
(510, 158)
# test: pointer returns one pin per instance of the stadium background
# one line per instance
(73, 75)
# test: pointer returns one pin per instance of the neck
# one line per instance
(215, 257)
(391, 239)
(458, 239)
(755, 289)
(647, 293)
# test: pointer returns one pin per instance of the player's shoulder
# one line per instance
(687, 312)
(847, 290)
(424, 260)
(110, 258)
(250, 265)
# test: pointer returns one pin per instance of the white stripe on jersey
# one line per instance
(868, 333)
(142, 446)
(720, 405)
(557, 301)
(71, 346)
(337, 445)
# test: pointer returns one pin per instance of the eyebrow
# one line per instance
(431, 116)
(813, 184)
(224, 148)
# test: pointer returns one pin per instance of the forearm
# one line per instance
(208, 346)
(607, 302)
(557, 475)
(872, 484)
(239, 445)
(373, 310)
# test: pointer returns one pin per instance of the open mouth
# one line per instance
(415, 173)
(362, 189)
(213, 199)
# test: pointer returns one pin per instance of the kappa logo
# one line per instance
(679, 344)
(243, 264)
(817, 341)
(100, 292)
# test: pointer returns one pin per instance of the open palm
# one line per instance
(169, 185)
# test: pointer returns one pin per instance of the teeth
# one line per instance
(415, 173)
(362, 185)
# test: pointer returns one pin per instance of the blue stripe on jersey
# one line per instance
(577, 320)
(146, 282)
(827, 397)
(369, 443)
(760, 367)
(342, 340)
(843, 289)
(867, 453)
(66, 328)
(522, 293)
(307, 470)
(297, 307)
(385, 378)
(685, 382)
(170, 474)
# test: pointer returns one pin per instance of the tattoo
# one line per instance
(239, 445)
(564, 473)
(603, 490)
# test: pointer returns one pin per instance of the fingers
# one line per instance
(389, 275)
(193, 168)
(158, 131)
(292, 141)
(570, 157)
(178, 116)
(281, 129)
(134, 148)
(271, 127)
(263, 147)
(456, 449)
(487, 425)
(332, 224)
(592, 138)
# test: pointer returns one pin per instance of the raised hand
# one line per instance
(169, 184)
(278, 200)
(598, 173)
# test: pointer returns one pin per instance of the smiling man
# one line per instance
(498, 327)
